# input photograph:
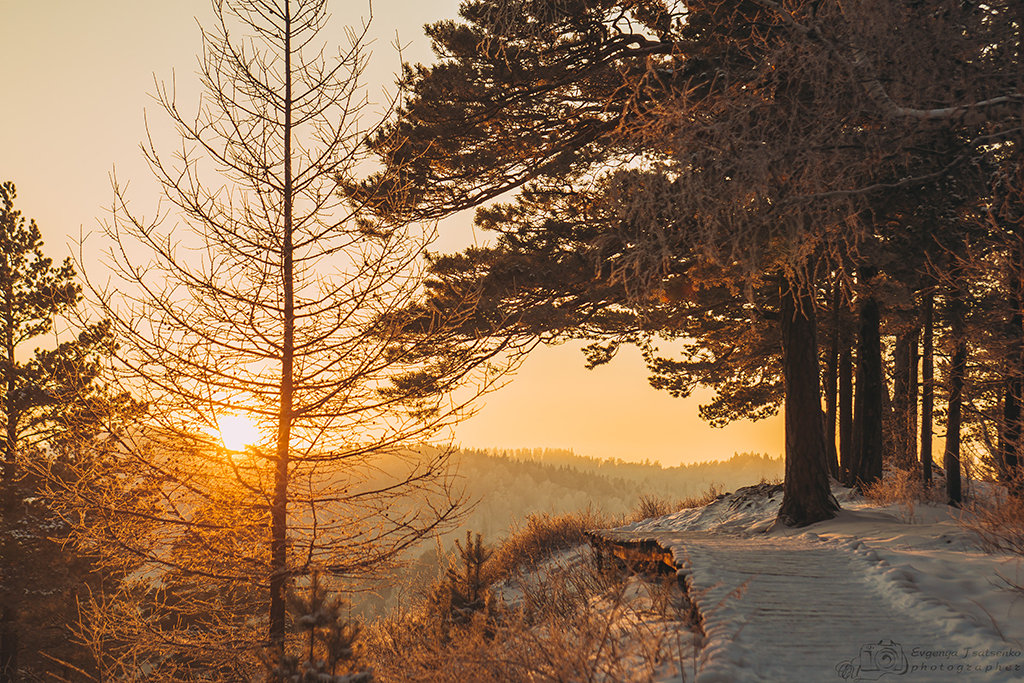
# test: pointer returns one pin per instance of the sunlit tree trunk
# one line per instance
(279, 506)
(913, 389)
(10, 379)
(8, 504)
(846, 412)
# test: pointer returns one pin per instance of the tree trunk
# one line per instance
(912, 391)
(927, 384)
(846, 413)
(867, 415)
(904, 401)
(831, 376)
(279, 504)
(10, 408)
(1009, 443)
(1010, 434)
(957, 371)
(807, 497)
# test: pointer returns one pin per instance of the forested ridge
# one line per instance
(506, 486)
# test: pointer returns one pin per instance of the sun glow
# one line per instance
(237, 432)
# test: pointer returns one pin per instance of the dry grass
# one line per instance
(572, 624)
(540, 537)
(997, 522)
(905, 489)
(652, 506)
(560, 619)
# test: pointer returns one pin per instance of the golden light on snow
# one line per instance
(237, 432)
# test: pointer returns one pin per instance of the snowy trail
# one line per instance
(797, 609)
(785, 608)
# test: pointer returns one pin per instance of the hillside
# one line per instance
(503, 488)
(509, 485)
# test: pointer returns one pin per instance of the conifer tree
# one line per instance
(759, 138)
(53, 400)
(464, 592)
(329, 653)
(583, 90)
(468, 585)
(261, 294)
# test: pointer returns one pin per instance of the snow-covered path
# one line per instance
(826, 606)
(797, 609)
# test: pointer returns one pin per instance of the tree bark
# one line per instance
(867, 416)
(846, 413)
(807, 496)
(912, 391)
(831, 377)
(10, 409)
(957, 371)
(904, 400)
(1010, 434)
(1009, 443)
(927, 384)
(11, 500)
(8, 644)
(279, 504)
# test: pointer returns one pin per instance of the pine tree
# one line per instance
(468, 587)
(758, 138)
(330, 640)
(464, 593)
(579, 95)
(54, 400)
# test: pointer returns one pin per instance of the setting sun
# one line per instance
(237, 432)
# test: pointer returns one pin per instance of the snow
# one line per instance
(879, 592)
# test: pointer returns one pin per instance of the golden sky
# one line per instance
(77, 79)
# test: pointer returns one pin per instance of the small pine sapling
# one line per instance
(467, 586)
(465, 593)
(330, 640)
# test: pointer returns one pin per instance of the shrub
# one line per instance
(567, 622)
(555, 617)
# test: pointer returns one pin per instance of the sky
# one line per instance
(77, 88)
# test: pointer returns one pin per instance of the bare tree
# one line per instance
(257, 294)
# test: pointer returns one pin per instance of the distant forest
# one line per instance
(509, 485)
